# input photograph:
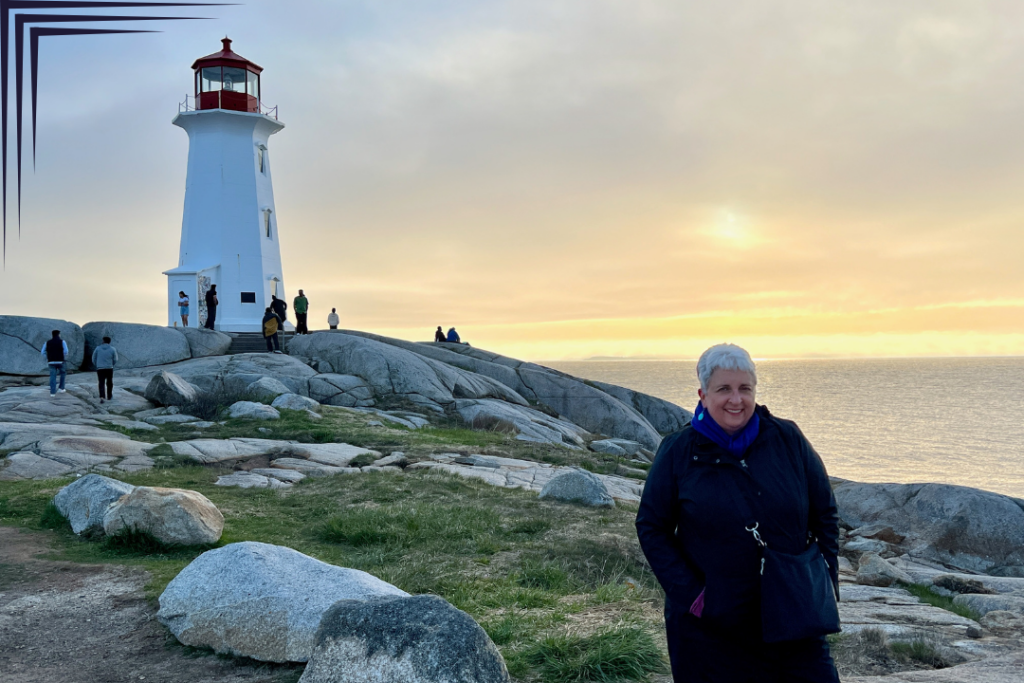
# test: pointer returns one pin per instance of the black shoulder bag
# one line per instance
(798, 599)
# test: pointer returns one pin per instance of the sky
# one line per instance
(565, 179)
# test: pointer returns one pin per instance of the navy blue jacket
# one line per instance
(698, 501)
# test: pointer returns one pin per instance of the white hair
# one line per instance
(726, 357)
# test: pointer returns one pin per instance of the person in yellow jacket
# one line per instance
(271, 324)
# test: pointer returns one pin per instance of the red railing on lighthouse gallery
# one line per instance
(190, 105)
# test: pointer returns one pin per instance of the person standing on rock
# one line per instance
(211, 306)
(439, 335)
(183, 308)
(739, 524)
(55, 351)
(104, 358)
(332, 319)
(301, 307)
(279, 307)
(271, 324)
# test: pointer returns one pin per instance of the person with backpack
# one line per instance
(55, 351)
(104, 358)
(301, 305)
(279, 307)
(271, 324)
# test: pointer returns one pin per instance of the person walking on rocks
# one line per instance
(332, 319)
(271, 324)
(279, 307)
(104, 358)
(439, 335)
(211, 306)
(301, 305)
(55, 351)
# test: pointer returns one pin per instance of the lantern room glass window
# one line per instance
(252, 84)
(214, 78)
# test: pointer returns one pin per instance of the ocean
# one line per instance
(950, 420)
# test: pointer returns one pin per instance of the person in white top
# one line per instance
(332, 319)
(183, 308)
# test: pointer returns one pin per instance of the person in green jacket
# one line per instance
(301, 307)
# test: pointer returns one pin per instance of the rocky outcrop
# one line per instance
(279, 594)
(203, 342)
(664, 416)
(526, 423)
(390, 370)
(234, 374)
(172, 516)
(267, 388)
(168, 389)
(872, 570)
(85, 502)
(578, 486)
(137, 345)
(22, 339)
(960, 527)
(347, 391)
(420, 639)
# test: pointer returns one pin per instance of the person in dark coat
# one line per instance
(453, 336)
(734, 465)
(55, 351)
(211, 306)
(439, 335)
(279, 307)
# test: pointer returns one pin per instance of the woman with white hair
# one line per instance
(739, 524)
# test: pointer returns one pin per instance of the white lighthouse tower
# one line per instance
(229, 231)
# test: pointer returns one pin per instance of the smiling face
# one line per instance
(729, 398)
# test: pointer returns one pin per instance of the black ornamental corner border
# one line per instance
(7, 10)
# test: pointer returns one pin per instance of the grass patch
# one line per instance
(611, 655)
(924, 594)
(920, 651)
(53, 519)
(870, 653)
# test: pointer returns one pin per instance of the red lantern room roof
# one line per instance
(226, 58)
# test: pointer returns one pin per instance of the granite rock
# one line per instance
(137, 345)
(578, 486)
(84, 502)
(22, 339)
(172, 516)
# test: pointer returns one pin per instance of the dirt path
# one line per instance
(64, 622)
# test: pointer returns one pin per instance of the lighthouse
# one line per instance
(229, 232)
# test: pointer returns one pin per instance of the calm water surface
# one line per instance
(955, 421)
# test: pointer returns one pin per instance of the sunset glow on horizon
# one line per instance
(571, 179)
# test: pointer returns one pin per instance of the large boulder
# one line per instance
(233, 374)
(253, 411)
(528, 424)
(960, 527)
(578, 486)
(392, 371)
(137, 345)
(168, 389)
(259, 600)
(421, 639)
(172, 516)
(294, 402)
(84, 502)
(22, 339)
(874, 571)
(203, 342)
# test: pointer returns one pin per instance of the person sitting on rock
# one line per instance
(104, 358)
(271, 324)
(332, 319)
(453, 336)
(439, 335)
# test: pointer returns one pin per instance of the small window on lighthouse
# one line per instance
(261, 155)
(266, 223)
